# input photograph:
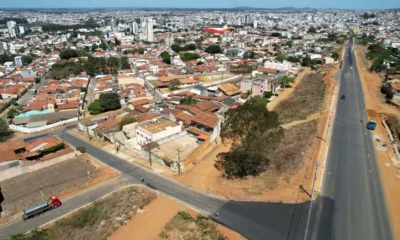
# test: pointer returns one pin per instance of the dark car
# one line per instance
(343, 97)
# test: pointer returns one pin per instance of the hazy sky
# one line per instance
(352, 4)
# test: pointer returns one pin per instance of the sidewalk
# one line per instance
(126, 154)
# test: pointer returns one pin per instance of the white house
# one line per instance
(158, 130)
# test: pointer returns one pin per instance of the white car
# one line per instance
(351, 67)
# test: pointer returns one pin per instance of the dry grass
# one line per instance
(183, 226)
(307, 98)
(394, 126)
(285, 161)
(296, 141)
(97, 221)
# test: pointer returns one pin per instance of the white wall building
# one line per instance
(149, 30)
(19, 60)
(157, 130)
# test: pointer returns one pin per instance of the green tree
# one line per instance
(281, 57)
(109, 101)
(268, 94)
(68, 53)
(5, 132)
(187, 56)
(255, 133)
(188, 101)
(312, 30)
(292, 59)
(213, 49)
(95, 107)
(12, 112)
(166, 57)
(125, 63)
(335, 55)
(286, 80)
(126, 121)
(47, 50)
(276, 34)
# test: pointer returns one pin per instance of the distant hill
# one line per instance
(281, 9)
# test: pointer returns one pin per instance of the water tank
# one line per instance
(35, 208)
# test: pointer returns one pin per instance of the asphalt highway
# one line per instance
(352, 205)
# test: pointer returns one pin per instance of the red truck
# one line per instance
(39, 208)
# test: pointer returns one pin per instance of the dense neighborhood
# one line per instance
(237, 104)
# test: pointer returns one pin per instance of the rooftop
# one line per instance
(157, 125)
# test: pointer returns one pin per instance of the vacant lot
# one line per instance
(307, 98)
(394, 126)
(285, 161)
(63, 179)
(184, 226)
(99, 220)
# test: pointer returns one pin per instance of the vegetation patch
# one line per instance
(98, 221)
(255, 133)
(184, 226)
(307, 98)
(394, 126)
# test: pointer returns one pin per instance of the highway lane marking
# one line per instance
(87, 197)
(68, 205)
(23, 225)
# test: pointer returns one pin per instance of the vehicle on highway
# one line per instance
(351, 67)
(39, 208)
(343, 97)
(371, 125)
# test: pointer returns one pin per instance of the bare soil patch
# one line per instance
(63, 180)
(184, 226)
(148, 223)
(99, 220)
(307, 98)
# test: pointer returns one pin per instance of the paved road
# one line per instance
(255, 220)
(352, 205)
(28, 96)
(66, 207)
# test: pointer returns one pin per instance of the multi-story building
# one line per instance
(149, 30)
(19, 60)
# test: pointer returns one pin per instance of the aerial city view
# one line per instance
(212, 120)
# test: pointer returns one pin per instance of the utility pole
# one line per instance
(149, 149)
(179, 160)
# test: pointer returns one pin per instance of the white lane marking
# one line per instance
(23, 225)
(87, 197)
(68, 205)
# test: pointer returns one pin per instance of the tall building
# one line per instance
(134, 27)
(247, 19)
(19, 60)
(21, 30)
(113, 24)
(2, 51)
(12, 29)
(149, 30)
(255, 24)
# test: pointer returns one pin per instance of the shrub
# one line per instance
(52, 149)
(81, 149)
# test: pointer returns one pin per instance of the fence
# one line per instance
(20, 170)
(38, 129)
